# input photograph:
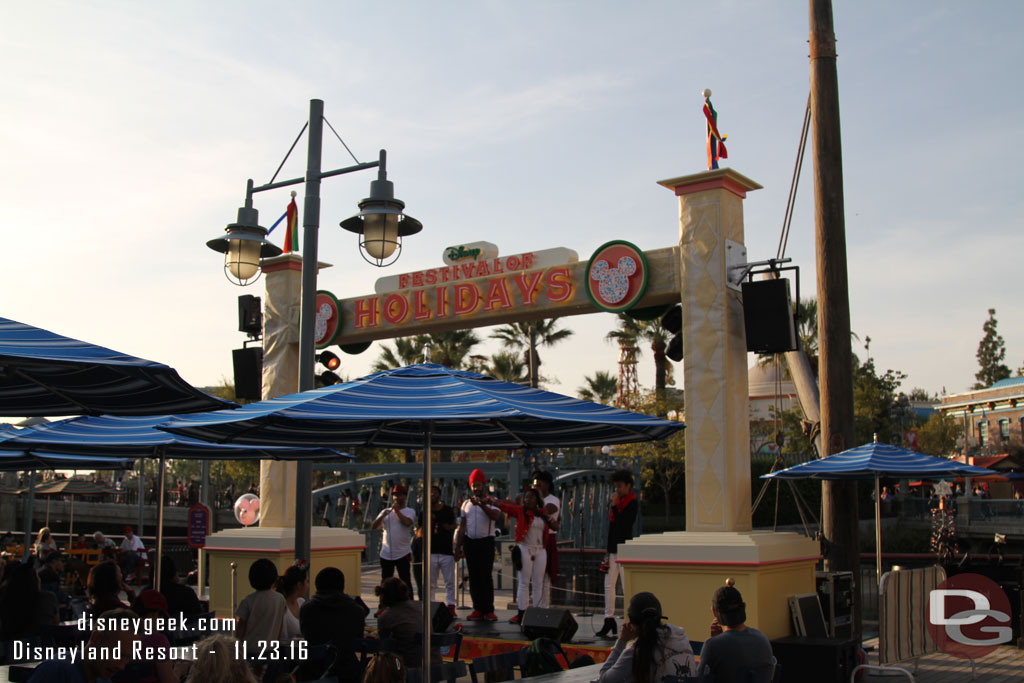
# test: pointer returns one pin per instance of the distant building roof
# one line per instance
(1008, 382)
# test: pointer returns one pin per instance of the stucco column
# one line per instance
(714, 351)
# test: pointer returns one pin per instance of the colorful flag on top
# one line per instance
(291, 237)
(716, 141)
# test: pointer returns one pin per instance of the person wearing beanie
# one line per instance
(734, 649)
(658, 650)
(474, 540)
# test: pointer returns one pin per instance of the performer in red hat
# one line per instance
(396, 548)
(475, 540)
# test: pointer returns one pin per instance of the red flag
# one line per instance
(291, 235)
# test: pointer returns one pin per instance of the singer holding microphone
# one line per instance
(396, 548)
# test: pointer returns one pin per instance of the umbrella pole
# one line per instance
(71, 524)
(878, 534)
(29, 509)
(155, 567)
(47, 522)
(427, 533)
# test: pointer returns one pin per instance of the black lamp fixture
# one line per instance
(244, 245)
(380, 222)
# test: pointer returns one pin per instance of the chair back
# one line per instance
(450, 644)
(444, 672)
(366, 647)
(502, 663)
(903, 599)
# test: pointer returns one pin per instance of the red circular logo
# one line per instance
(328, 319)
(616, 276)
(968, 616)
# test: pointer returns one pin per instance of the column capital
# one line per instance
(289, 261)
(720, 178)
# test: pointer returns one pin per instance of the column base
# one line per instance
(341, 548)
(683, 569)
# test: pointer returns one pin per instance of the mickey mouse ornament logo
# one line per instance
(616, 276)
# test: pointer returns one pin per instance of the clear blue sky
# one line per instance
(129, 130)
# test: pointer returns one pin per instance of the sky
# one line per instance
(129, 130)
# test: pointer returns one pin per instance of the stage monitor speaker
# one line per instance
(248, 364)
(822, 660)
(440, 617)
(557, 624)
(768, 316)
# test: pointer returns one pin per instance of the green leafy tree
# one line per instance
(518, 336)
(991, 354)
(406, 351)
(631, 332)
(939, 434)
(453, 348)
(663, 462)
(601, 387)
(508, 366)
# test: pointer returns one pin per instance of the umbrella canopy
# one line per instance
(43, 373)
(22, 459)
(878, 460)
(135, 437)
(424, 406)
(874, 461)
(73, 487)
(392, 409)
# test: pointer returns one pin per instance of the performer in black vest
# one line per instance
(621, 518)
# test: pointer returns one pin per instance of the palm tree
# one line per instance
(601, 388)
(452, 348)
(631, 331)
(508, 366)
(408, 350)
(527, 336)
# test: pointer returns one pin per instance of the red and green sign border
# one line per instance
(641, 290)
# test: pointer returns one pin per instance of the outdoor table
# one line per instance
(584, 674)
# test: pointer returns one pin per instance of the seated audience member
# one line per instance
(181, 599)
(215, 661)
(24, 607)
(50, 577)
(104, 588)
(659, 650)
(385, 667)
(293, 585)
(132, 552)
(112, 641)
(80, 543)
(44, 544)
(331, 616)
(733, 646)
(152, 605)
(260, 615)
(402, 619)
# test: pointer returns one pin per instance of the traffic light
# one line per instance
(672, 322)
(331, 362)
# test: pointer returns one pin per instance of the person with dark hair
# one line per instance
(24, 607)
(442, 554)
(331, 616)
(396, 546)
(659, 649)
(181, 599)
(545, 485)
(150, 606)
(475, 540)
(402, 619)
(114, 644)
(531, 527)
(735, 648)
(104, 587)
(260, 615)
(621, 518)
(293, 585)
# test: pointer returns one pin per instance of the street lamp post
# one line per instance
(381, 224)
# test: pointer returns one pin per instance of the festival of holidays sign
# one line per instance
(477, 286)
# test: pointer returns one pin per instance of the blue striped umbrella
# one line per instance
(425, 406)
(43, 373)
(874, 461)
(395, 409)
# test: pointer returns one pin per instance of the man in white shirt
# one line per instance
(544, 484)
(396, 548)
(475, 540)
(132, 551)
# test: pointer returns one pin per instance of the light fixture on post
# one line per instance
(244, 245)
(380, 221)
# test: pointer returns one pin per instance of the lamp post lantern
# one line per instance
(381, 224)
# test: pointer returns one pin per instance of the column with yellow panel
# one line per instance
(684, 568)
(274, 538)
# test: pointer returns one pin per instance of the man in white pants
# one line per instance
(621, 518)
(543, 482)
(442, 557)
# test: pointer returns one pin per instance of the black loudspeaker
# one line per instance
(248, 364)
(768, 316)
(440, 617)
(556, 624)
(822, 660)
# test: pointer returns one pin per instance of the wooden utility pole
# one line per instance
(835, 357)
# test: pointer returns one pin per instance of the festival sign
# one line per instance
(328, 319)
(478, 287)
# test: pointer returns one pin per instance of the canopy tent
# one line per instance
(874, 461)
(424, 406)
(135, 437)
(72, 488)
(43, 373)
